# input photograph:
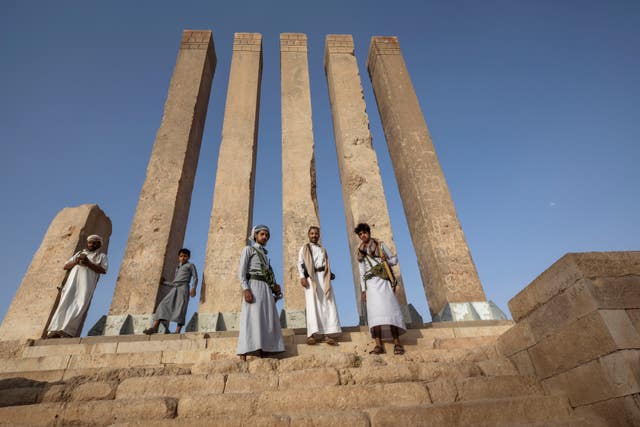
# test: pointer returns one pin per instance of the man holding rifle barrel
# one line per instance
(378, 285)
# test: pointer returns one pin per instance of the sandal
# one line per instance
(330, 341)
(311, 341)
(398, 349)
(377, 350)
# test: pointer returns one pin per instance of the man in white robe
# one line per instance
(323, 323)
(260, 332)
(85, 267)
(378, 290)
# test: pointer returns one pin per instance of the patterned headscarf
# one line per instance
(257, 228)
(95, 238)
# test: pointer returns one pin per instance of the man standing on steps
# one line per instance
(377, 283)
(323, 323)
(260, 332)
(85, 268)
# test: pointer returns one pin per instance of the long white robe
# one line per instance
(76, 295)
(259, 321)
(383, 308)
(322, 313)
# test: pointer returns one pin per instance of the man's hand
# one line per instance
(304, 283)
(248, 296)
(277, 288)
(364, 296)
(192, 293)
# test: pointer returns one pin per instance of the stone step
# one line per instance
(94, 413)
(477, 413)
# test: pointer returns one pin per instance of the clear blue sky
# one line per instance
(533, 108)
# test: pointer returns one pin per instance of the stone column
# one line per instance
(362, 191)
(159, 224)
(232, 210)
(299, 199)
(37, 297)
(449, 275)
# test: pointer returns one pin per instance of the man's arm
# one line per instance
(243, 271)
(99, 268)
(194, 274)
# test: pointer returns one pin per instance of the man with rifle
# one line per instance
(378, 286)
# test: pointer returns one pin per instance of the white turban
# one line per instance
(94, 238)
(257, 228)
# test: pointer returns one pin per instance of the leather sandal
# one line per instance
(311, 340)
(377, 350)
(398, 349)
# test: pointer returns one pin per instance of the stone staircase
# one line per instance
(451, 375)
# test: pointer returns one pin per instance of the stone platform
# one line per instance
(451, 374)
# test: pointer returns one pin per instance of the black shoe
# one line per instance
(150, 331)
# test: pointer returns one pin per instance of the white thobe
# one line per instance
(76, 294)
(383, 308)
(322, 313)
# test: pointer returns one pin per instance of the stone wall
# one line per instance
(578, 331)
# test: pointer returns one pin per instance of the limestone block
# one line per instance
(448, 272)
(614, 375)
(634, 316)
(232, 211)
(113, 361)
(505, 386)
(51, 375)
(223, 404)
(618, 412)
(571, 268)
(308, 378)
(491, 412)
(325, 359)
(34, 364)
(19, 396)
(384, 374)
(522, 362)
(479, 331)
(519, 337)
(362, 190)
(442, 391)
(497, 367)
(36, 298)
(14, 348)
(53, 393)
(217, 420)
(349, 397)
(161, 345)
(344, 418)
(42, 414)
(299, 199)
(594, 335)
(445, 371)
(250, 383)
(218, 367)
(159, 224)
(466, 342)
(186, 357)
(105, 412)
(64, 349)
(94, 390)
(170, 386)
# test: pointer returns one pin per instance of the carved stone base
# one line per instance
(293, 319)
(464, 311)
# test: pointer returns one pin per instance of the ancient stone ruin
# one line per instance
(571, 357)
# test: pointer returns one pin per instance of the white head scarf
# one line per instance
(257, 228)
(95, 238)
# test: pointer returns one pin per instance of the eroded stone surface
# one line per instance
(160, 221)
(299, 199)
(362, 191)
(447, 269)
(232, 210)
(36, 298)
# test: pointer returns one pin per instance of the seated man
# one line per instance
(323, 323)
(85, 268)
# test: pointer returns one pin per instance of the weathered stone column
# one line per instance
(36, 298)
(232, 210)
(159, 224)
(362, 190)
(299, 200)
(449, 275)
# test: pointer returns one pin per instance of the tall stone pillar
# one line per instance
(159, 224)
(299, 199)
(362, 190)
(232, 210)
(36, 299)
(449, 275)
